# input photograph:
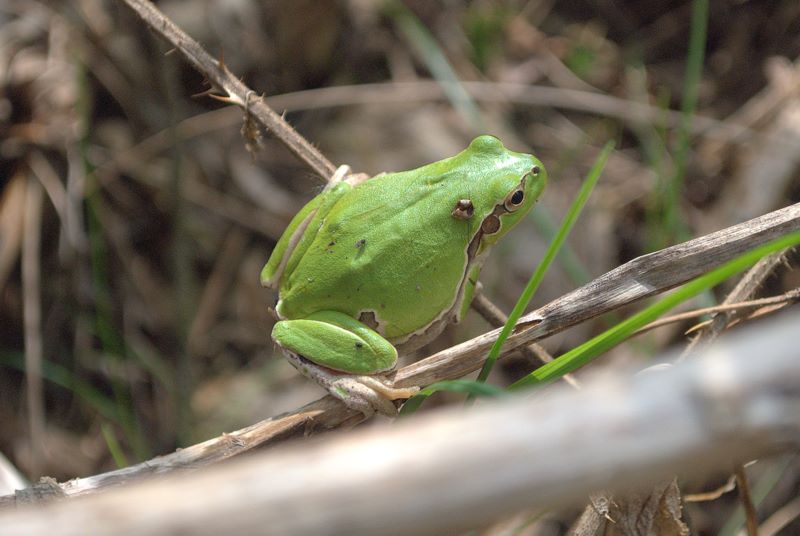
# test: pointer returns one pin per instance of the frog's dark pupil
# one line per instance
(517, 198)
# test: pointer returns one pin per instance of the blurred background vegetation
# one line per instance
(134, 219)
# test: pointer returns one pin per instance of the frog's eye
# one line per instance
(514, 199)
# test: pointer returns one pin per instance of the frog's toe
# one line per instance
(368, 394)
(358, 394)
(388, 391)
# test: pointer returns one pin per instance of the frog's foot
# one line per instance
(343, 174)
(366, 394)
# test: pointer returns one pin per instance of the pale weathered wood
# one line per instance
(454, 470)
(639, 278)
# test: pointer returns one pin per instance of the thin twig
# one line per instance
(31, 283)
(235, 91)
(425, 90)
(714, 494)
(744, 290)
(747, 500)
(744, 306)
(504, 92)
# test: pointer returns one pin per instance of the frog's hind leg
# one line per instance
(342, 354)
(366, 394)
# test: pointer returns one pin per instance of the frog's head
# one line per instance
(508, 185)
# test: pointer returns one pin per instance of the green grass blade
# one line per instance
(552, 250)
(63, 377)
(575, 270)
(470, 387)
(113, 446)
(691, 88)
(432, 55)
(111, 340)
(591, 349)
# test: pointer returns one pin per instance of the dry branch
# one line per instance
(642, 277)
(235, 91)
(591, 102)
(700, 416)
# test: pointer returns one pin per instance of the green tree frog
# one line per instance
(372, 267)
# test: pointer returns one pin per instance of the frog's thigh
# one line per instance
(337, 341)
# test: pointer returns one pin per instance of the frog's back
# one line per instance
(390, 247)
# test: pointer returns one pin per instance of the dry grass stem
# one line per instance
(31, 280)
(743, 487)
(787, 298)
(714, 494)
(744, 290)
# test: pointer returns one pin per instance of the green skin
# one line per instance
(365, 270)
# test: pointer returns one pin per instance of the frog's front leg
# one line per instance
(341, 354)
